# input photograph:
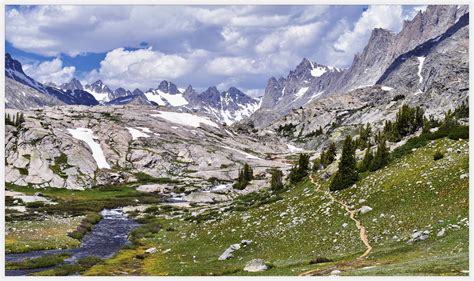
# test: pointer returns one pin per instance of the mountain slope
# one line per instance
(306, 223)
(21, 96)
(71, 93)
(382, 49)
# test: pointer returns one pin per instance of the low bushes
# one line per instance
(86, 225)
(41, 262)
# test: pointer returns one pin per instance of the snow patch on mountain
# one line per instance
(385, 88)
(162, 98)
(88, 137)
(137, 133)
(247, 155)
(185, 119)
(301, 92)
(421, 61)
(100, 97)
(318, 71)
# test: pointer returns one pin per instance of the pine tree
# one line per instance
(381, 156)
(245, 176)
(329, 155)
(347, 172)
(367, 161)
(276, 183)
(426, 126)
(316, 164)
(299, 171)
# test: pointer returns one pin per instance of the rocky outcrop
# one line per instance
(44, 153)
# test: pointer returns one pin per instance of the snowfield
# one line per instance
(293, 148)
(385, 88)
(137, 134)
(162, 98)
(88, 137)
(100, 97)
(185, 119)
(247, 155)
(421, 61)
(301, 92)
(318, 71)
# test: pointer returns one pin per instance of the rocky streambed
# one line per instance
(106, 238)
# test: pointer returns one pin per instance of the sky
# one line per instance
(223, 46)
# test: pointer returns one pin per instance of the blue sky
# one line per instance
(138, 46)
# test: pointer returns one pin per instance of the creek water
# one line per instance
(105, 239)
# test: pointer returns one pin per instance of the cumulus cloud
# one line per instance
(198, 45)
(353, 41)
(143, 67)
(50, 71)
(295, 36)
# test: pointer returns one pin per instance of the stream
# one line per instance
(105, 239)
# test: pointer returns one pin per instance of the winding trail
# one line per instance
(362, 233)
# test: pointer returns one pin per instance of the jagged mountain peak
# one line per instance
(137, 92)
(72, 85)
(168, 87)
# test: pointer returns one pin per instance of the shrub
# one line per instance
(40, 262)
(144, 231)
(398, 97)
(319, 260)
(85, 226)
(87, 262)
(438, 155)
(35, 204)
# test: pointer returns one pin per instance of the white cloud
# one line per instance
(233, 66)
(414, 11)
(142, 68)
(290, 37)
(353, 41)
(73, 30)
(50, 71)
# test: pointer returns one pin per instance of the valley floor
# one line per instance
(414, 194)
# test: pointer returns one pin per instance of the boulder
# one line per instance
(227, 254)
(365, 209)
(255, 265)
(151, 250)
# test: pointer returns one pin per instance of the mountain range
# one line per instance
(227, 106)
(384, 55)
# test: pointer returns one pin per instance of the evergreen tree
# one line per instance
(364, 136)
(426, 126)
(347, 172)
(381, 156)
(300, 170)
(245, 176)
(316, 164)
(276, 182)
(367, 161)
(329, 155)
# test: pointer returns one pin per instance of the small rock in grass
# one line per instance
(441, 232)
(227, 254)
(344, 225)
(246, 242)
(365, 209)
(335, 272)
(464, 176)
(255, 265)
(151, 250)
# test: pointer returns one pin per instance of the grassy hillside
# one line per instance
(415, 192)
